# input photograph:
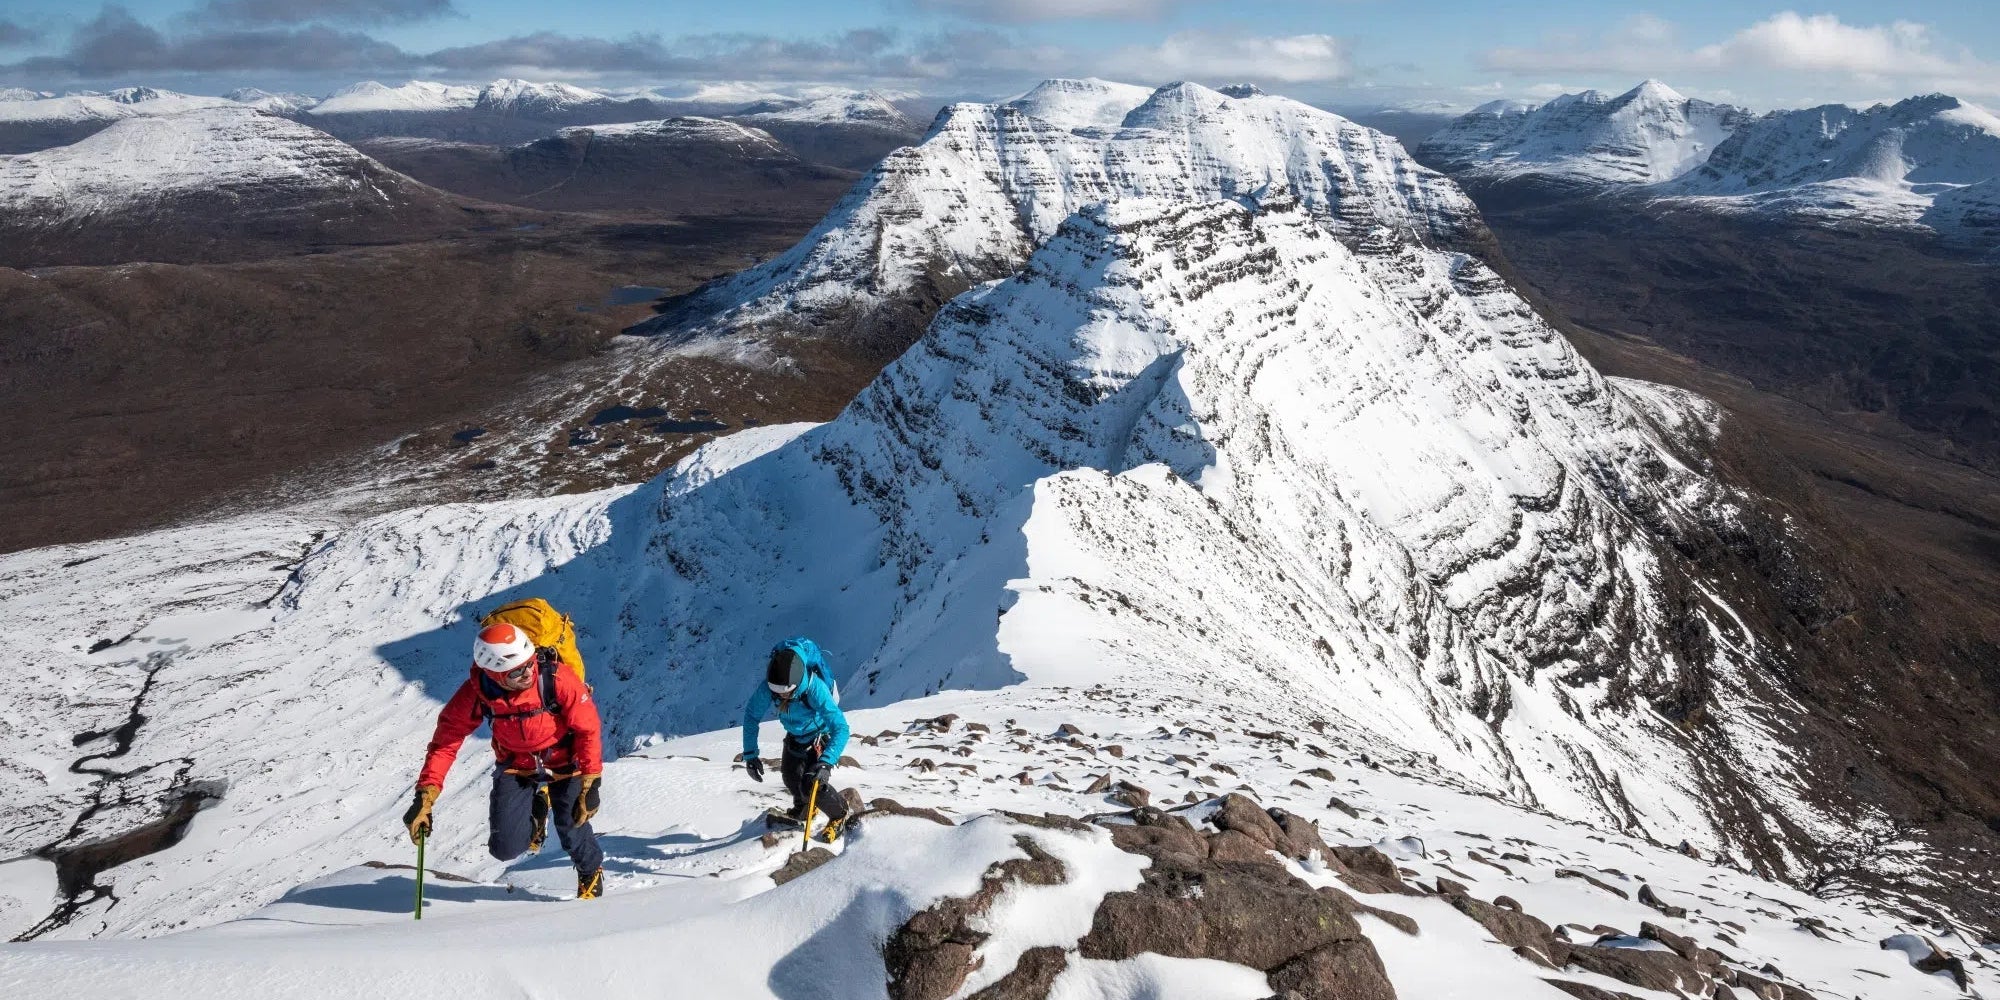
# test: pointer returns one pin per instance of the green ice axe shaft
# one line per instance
(420, 871)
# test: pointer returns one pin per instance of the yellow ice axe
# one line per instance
(812, 803)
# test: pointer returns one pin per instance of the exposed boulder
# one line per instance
(929, 957)
(1249, 912)
(1653, 970)
(800, 863)
(894, 808)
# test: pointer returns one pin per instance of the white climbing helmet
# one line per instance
(502, 648)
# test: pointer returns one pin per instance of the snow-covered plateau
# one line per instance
(1223, 474)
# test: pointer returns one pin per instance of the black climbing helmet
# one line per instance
(785, 672)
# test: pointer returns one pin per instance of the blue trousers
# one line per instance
(512, 822)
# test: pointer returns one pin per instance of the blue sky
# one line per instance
(1336, 52)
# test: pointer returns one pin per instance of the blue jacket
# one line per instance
(811, 712)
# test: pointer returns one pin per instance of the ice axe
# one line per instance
(812, 804)
(421, 837)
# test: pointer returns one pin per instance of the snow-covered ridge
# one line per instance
(989, 183)
(1931, 160)
(522, 96)
(15, 108)
(1199, 451)
(223, 152)
(1644, 136)
(1086, 103)
(858, 108)
(417, 95)
(689, 128)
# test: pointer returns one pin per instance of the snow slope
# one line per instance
(690, 904)
(227, 153)
(1369, 492)
(523, 97)
(1927, 160)
(989, 183)
(693, 130)
(1646, 135)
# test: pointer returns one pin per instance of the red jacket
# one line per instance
(568, 739)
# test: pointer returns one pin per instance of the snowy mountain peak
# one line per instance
(1176, 105)
(234, 154)
(416, 95)
(1507, 106)
(521, 95)
(1930, 161)
(1086, 103)
(22, 94)
(140, 95)
(989, 183)
(1654, 92)
(1646, 135)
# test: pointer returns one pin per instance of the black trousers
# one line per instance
(512, 823)
(800, 758)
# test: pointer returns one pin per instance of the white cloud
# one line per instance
(1903, 54)
(1228, 57)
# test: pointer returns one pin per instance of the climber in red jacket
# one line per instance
(547, 744)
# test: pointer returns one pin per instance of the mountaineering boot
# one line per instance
(590, 884)
(539, 812)
(780, 819)
(834, 828)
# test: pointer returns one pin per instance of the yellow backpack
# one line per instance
(547, 627)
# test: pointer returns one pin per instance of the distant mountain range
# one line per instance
(1931, 161)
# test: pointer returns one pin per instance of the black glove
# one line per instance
(821, 774)
(755, 766)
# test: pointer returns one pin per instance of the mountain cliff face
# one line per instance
(180, 186)
(989, 183)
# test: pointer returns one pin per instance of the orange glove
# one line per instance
(418, 818)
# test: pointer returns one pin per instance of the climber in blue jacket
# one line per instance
(808, 704)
